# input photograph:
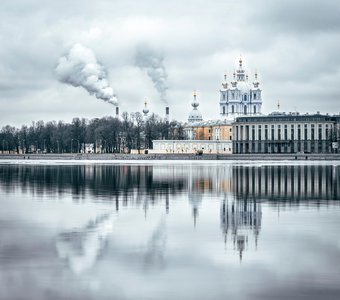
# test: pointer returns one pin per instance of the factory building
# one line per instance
(285, 133)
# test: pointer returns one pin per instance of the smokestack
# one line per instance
(117, 111)
(167, 114)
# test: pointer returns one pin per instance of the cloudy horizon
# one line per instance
(292, 44)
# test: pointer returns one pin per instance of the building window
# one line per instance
(254, 96)
(299, 133)
(224, 110)
(223, 96)
(254, 109)
(286, 133)
(259, 133)
(292, 132)
(232, 109)
(272, 132)
(306, 132)
(320, 133)
(233, 95)
(245, 98)
(247, 132)
(253, 133)
(266, 132)
(245, 109)
(312, 133)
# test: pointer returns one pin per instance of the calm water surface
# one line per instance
(169, 231)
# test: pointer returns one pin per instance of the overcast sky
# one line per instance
(294, 45)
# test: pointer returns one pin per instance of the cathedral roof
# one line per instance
(195, 115)
(244, 86)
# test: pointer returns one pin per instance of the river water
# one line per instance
(169, 230)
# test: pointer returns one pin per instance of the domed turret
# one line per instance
(225, 83)
(195, 115)
(256, 82)
(145, 110)
(234, 82)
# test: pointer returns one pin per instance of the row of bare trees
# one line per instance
(110, 135)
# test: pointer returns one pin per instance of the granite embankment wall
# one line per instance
(69, 156)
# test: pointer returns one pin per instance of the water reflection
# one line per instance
(240, 188)
(151, 224)
(107, 181)
(154, 256)
(81, 247)
(240, 221)
(290, 183)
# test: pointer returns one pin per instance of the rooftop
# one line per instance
(211, 123)
(291, 116)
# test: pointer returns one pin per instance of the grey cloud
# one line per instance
(298, 17)
(291, 43)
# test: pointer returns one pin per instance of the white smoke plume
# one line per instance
(81, 69)
(151, 61)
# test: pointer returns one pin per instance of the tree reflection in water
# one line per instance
(242, 190)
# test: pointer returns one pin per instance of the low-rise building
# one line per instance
(219, 130)
(285, 133)
(192, 146)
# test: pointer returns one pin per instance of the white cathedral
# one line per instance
(240, 97)
(237, 98)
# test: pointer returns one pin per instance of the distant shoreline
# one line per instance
(109, 156)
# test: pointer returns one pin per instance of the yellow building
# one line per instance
(210, 130)
(213, 130)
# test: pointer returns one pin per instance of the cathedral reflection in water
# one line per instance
(244, 188)
(240, 221)
(241, 189)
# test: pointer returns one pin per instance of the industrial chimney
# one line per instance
(167, 114)
(117, 111)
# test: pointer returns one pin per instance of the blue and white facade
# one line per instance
(240, 97)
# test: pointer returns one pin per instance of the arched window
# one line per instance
(232, 109)
(224, 110)
(254, 109)
(245, 109)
